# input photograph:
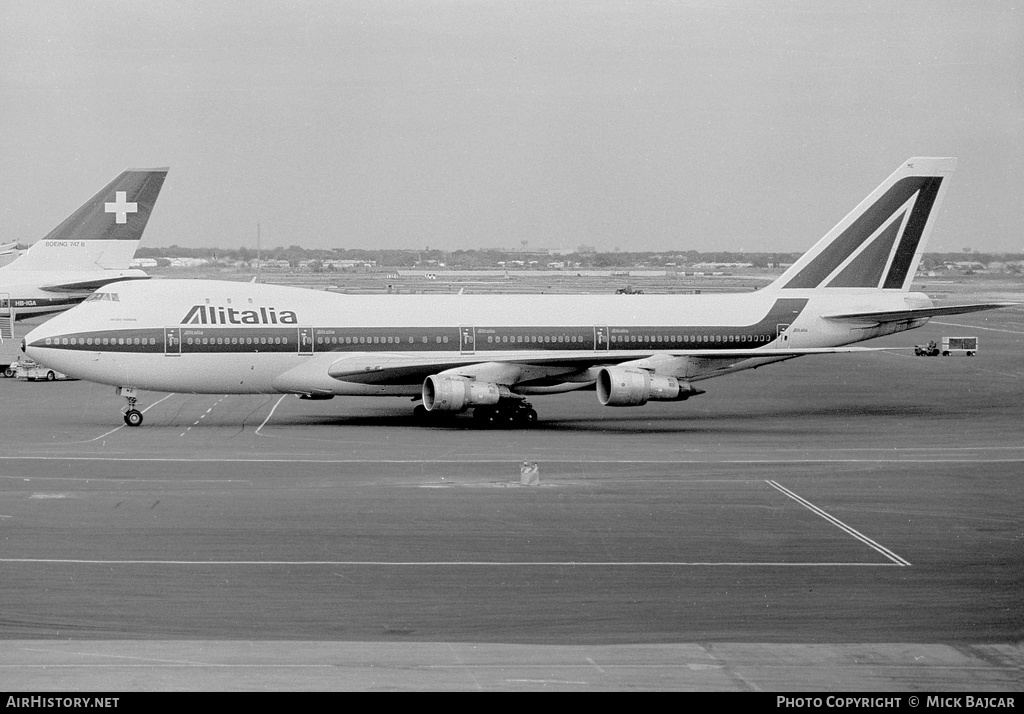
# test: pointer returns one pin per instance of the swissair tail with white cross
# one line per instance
(489, 353)
(90, 248)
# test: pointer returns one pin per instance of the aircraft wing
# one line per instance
(917, 313)
(370, 368)
(89, 285)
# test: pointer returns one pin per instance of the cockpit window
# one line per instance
(103, 296)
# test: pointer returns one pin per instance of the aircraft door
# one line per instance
(305, 340)
(172, 341)
(467, 340)
(601, 337)
(782, 335)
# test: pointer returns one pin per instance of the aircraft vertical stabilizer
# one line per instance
(104, 232)
(880, 243)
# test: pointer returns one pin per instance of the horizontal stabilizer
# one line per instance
(917, 313)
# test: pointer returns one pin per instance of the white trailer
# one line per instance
(965, 346)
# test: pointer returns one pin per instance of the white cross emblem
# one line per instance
(121, 207)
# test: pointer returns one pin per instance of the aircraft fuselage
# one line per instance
(220, 337)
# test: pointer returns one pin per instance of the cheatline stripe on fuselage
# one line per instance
(28, 303)
(205, 339)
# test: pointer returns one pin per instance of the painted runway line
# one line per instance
(168, 665)
(839, 524)
(276, 405)
(977, 327)
(550, 462)
(136, 660)
(448, 563)
(203, 416)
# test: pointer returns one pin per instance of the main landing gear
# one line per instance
(507, 413)
(132, 417)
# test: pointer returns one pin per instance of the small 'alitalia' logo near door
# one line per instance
(215, 315)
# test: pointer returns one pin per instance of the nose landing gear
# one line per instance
(132, 417)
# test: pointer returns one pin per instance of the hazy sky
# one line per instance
(493, 123)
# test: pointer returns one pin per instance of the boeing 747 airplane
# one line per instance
(90, 248)
(489, 353)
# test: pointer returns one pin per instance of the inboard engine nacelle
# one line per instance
(630, 387)
(453, 394)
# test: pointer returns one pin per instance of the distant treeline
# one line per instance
(493, 258)
(464, 258)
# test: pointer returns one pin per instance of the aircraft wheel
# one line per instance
(8, 372)
(50, 376)
(420, 413)
(485, 416)
(133, 417)
(528, 417)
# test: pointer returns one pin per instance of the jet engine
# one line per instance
(630, 387)
(453, 394)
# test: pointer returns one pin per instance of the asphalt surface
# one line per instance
(837, 522)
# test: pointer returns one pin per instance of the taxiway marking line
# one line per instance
(142, 661)
(458, 666)
(451, 563)
(87, 479)
(839, 524)
(550, 462)
(203, 416)
(101, 436)
(270, 414)
(978, 327)
(168, 665)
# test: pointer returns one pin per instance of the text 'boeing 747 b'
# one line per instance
(489, 353)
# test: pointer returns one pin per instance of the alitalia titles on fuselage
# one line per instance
(218, 315)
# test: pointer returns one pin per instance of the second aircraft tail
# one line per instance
(104, 232)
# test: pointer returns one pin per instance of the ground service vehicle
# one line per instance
(32, 371)
(966, 346)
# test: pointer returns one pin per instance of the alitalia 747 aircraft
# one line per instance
(489, 353)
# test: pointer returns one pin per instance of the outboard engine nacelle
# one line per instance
(631, 387)
(453, 394)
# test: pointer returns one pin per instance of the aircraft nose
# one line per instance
(37, 335)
